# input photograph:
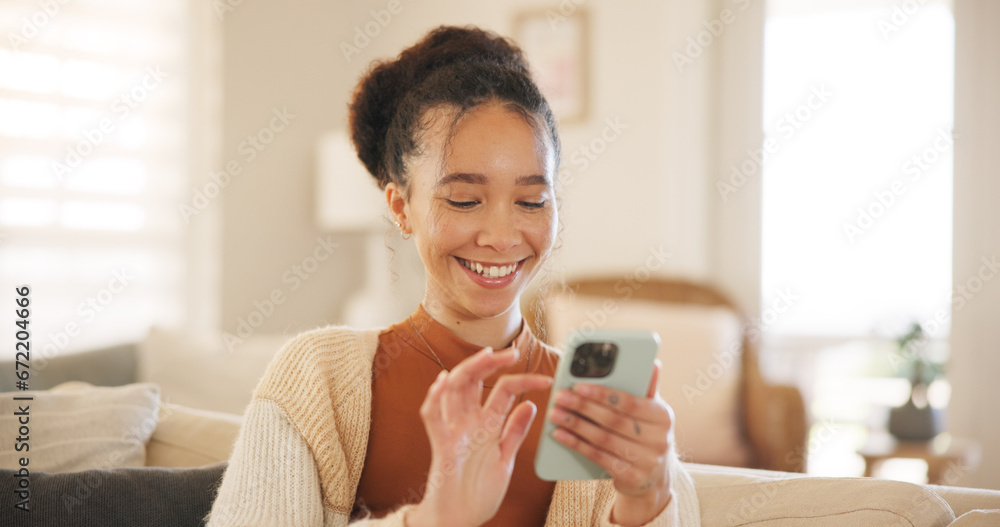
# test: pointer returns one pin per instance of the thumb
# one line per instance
(516, 429)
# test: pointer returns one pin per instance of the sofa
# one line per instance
(161, 462)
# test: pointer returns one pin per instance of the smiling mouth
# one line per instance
(488, 270)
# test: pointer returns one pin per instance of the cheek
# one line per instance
(542, 233)
(442, 231)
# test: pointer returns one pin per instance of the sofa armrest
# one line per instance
(960, 499)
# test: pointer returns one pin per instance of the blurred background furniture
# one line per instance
(726, 412)
(947, 457)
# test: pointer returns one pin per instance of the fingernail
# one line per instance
(488, 350)
(584, 389)
(565, 397)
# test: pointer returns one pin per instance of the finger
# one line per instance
(509, 387)
(430, 410)
(480, 365)
(462, 392)
(642, 408)
(612, 418)
(626, 466)
(516, 430)
(648, 440)
(654, 382)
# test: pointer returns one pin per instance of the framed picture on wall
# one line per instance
(555, 44)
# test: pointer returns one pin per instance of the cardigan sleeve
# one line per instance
(272, 479)
(683, 509)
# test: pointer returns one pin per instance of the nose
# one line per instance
(499, 230)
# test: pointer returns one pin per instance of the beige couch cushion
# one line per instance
(822, 502)
(965, 499)
(200, 371)
(701, 365)
(76, 426)
(187, 437)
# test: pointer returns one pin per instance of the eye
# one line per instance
(463, 204)
(532, 204)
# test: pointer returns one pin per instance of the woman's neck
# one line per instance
(498, 331)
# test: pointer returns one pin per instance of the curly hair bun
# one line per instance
(380, 91)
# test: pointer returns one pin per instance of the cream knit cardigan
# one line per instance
(301, 448)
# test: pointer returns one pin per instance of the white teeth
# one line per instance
(492, 271)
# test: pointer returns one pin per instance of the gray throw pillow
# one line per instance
(132, 496)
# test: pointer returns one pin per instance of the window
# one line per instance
(858, 112)
(857, 202)
(92, 165)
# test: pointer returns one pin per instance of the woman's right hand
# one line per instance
(473, 445)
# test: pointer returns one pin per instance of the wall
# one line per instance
(650, 181)
(975, 334)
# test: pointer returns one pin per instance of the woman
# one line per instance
(432, 422)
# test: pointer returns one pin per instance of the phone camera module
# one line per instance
(594, 359)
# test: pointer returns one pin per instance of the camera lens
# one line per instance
(603, 359)
(579, 367)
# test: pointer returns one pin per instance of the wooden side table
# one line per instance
(944, 455)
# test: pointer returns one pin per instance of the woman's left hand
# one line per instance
(629, 437)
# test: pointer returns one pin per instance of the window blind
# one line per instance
(93, 163)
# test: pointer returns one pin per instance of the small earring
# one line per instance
(404, 235)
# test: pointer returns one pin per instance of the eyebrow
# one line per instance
(480, 179)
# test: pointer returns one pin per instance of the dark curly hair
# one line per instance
(460, 67)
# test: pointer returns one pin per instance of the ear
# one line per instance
(398, 208)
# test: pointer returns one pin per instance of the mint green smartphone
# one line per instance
(619, 359)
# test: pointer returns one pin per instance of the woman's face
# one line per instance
(481, 208)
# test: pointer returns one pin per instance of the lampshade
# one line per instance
(347, 198)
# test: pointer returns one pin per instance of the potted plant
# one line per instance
(916, 419)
